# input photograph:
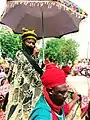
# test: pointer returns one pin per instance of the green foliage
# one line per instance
(10, 42)
(61, 50)
(69, 51)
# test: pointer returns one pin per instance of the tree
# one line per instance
(69, 51)
(61, 50)
(10, 42)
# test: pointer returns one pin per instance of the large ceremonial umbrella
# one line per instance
(47, 18)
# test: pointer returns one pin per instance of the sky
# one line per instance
(2, 5)
(83, 36)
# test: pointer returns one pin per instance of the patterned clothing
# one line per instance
(75, 113)
(26, 88)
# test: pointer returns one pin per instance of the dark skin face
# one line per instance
(30, 43)
(58, 94)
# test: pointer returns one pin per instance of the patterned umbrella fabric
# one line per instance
(48, 18)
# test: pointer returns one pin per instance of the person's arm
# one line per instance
(68, 106)
(75, 98)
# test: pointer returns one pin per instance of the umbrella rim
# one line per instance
(38, 38)
(57, 2)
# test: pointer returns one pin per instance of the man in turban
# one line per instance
(51, 105)
(27, 85)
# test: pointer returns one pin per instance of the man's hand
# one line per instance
(75, 96)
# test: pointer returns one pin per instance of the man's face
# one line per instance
(30, 43)
(58, 94)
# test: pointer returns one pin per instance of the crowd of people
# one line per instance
(38, 92)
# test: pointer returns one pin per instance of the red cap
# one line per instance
(66, 69)
(53, 76)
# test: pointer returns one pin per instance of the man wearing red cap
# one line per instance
(51, 105)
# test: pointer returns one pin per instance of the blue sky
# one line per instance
(83, 36)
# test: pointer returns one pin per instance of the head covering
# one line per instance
(29, 34)
(53, 76)
(66, 69)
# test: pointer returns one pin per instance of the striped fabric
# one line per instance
(29, 34)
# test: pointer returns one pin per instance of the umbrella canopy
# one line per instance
(47, 18)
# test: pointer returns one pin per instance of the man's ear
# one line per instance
(50, 91)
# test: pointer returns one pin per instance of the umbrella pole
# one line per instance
(43, 48)
(43, 36)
